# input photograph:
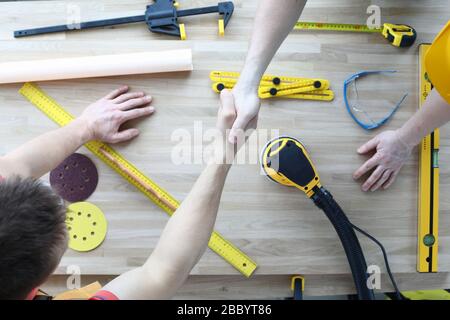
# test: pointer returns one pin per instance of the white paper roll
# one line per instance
(96, 66)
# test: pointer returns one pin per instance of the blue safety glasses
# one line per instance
(353, 108)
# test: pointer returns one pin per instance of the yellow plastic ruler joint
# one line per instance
(127, 170)
(278, 86)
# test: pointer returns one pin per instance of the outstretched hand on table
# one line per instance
(104, 117)
(390, 155)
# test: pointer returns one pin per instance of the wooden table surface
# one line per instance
(278, 227)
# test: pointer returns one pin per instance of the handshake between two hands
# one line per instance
(238, 113)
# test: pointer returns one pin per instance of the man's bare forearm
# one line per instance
(188, 231)
(273, 22)
(434, 113)
(181, 245)
(45, 152)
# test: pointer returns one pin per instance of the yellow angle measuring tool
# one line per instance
(162, 198)
(399, 35)
(266, 79)
(278, 86)
(302, 86)
(428, 204)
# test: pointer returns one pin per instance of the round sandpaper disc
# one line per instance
(86, 225)
(75, 179)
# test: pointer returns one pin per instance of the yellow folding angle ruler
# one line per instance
(162, 198)
(278, 86)
(266, 79)
(428, 197)
(307, 85)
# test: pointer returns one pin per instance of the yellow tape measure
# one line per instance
(399, 35)
(335, 27)
(428, 196)
(162, 198)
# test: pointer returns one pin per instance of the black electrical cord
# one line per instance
(345, 230)
(355, 256)
(386, 261)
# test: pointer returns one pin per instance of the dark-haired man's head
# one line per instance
(33, 235)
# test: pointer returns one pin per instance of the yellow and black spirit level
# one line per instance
(428, 196)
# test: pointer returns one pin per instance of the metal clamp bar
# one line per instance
(78, 26)
(196, 11)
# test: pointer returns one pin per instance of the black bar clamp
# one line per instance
(160, 17)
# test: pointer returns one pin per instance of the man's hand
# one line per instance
(273, 22)
(245, 103)
(227, 146)
(391, 153)
(104, 117)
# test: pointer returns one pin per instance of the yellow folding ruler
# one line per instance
(428, 197)
(162, 198)
(280, 87)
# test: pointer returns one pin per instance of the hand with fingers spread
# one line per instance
(391, 152)
(99, 121)
(104, 117)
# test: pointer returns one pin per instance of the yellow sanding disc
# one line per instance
(87, 226)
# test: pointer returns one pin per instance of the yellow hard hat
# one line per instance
(437, 62)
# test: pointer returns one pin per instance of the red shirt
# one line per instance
(104, 295)
(100, 295)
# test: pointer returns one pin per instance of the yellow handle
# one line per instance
(182, 32)
(221, 27)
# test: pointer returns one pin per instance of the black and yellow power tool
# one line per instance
(286, 161)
